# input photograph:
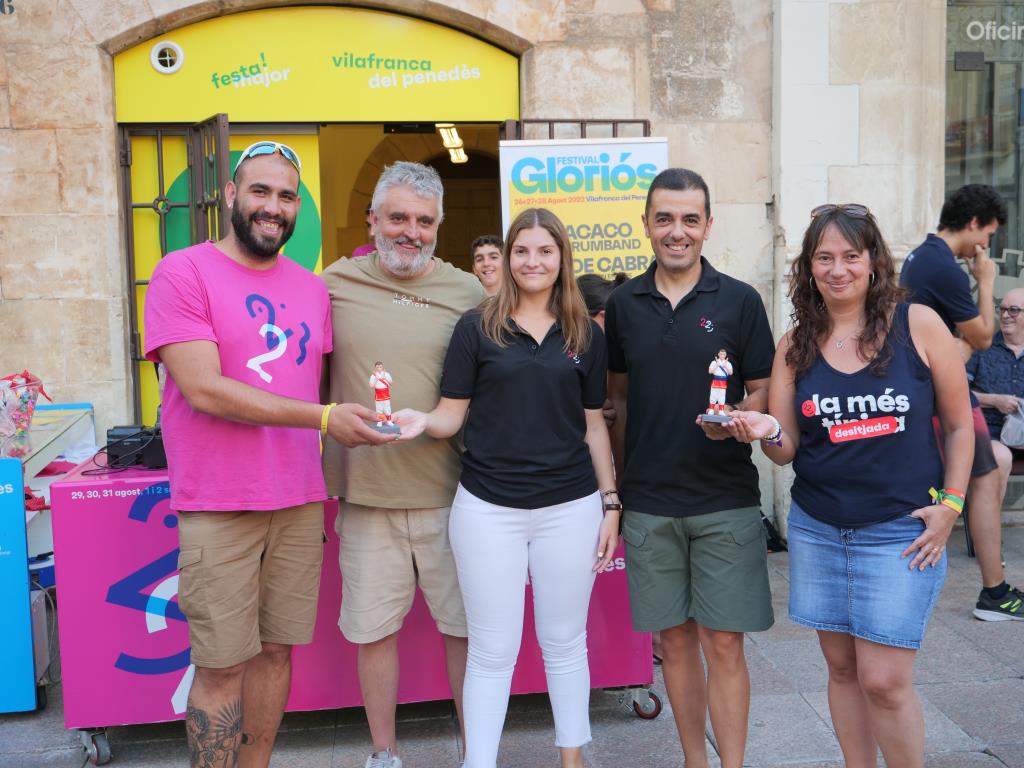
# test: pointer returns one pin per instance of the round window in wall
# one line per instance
(166, 57)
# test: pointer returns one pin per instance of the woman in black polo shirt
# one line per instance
(529, 367)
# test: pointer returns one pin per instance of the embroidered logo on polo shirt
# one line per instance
(706, 324)
(409, 300)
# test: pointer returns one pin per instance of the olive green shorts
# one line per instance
(712, 568)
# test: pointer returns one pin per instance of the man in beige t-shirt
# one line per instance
(398, 304)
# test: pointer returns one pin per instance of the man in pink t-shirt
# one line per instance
(243, 331)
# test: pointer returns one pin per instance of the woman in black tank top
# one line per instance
(854, 387)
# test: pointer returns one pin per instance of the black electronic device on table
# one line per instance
(135, 444)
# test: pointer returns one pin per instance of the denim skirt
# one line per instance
(853, 580)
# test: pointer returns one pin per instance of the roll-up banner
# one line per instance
(597, 187)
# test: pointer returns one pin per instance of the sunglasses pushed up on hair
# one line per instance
(856, 210)
(269, 148)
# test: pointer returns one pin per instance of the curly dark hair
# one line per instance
(811, 321)
(972, 201)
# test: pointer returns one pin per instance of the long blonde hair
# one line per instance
(566, 302)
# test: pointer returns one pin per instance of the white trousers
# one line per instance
(493, 547)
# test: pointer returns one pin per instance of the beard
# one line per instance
(261, 247)
(398, 264)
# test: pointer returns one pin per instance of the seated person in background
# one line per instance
(995, 376)
(994, 372)
(486, 252)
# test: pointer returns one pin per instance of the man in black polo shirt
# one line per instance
(932, 275)
(695, 547)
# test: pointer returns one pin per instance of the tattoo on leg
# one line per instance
(214, 737)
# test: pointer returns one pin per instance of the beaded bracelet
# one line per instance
(775, 438)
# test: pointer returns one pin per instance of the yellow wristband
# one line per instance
(323, 418)
(952, 504)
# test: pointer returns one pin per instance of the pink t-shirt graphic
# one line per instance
(272, 328)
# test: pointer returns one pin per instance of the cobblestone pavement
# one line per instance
(969, 676)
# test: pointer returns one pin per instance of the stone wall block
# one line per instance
(44, 22)
(741, 245)
(111, 401)
(22, 192)
(536, 20)
(87, 162)
(690, 145)
(27, 151)
(3, 68)
(58, 87)
(562, 80)
(5, 107)
(678, 46)
(642, 78)
(890, 122)
(873, 42)
(618, 7)
(720, 43)
(92, 331)
(742, 161)
(602, 28)
(117, 23)
(660, 6)
(685, 97)
(55, 257)
(879, 187)
(172, 14)
(752, 63)
(32, 339)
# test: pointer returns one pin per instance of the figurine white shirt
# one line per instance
(721, 368)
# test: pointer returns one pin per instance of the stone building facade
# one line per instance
(781, 104)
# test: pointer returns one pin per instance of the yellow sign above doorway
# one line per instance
(316, 64)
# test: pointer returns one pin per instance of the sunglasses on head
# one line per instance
(856, 210)
(269, 148)
(1012, 310)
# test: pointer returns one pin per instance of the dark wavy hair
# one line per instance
(811, 321)
(494, 240)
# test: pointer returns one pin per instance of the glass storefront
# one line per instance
(985, 115)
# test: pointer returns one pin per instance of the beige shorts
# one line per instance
(247, 578)
(384, 552)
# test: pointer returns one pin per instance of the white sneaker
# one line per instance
(383, 760)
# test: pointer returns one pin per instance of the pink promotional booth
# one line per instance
(124, 641)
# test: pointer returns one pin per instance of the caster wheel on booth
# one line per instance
(649, 709)
(97, 749)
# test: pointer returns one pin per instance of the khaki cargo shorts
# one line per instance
(384, 553)
(247, 578)
(712, 568)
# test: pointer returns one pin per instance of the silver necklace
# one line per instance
(842, 341)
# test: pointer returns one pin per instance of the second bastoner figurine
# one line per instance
(720, 370)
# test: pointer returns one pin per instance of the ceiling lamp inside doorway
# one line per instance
(449, 135)
(452, 142)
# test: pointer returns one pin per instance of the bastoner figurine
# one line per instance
(380, 380)
(720, 370)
